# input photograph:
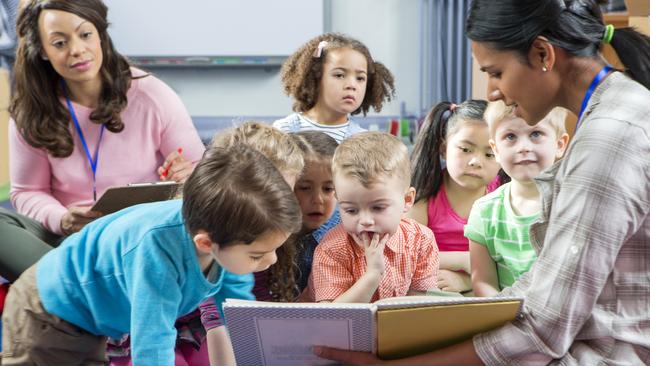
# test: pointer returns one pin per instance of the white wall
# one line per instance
(390, 29)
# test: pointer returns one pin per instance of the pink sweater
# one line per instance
(155, 124)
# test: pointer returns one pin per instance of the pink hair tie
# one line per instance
(319, 50)
(453, 107)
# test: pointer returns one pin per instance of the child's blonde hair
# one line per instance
(277, 146)
(303, 70)
(498, 111)
(368, 156)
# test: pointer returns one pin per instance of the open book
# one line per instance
(268, 333)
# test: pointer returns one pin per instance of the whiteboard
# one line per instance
(187, 28)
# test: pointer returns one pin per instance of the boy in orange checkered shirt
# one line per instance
(375, 252)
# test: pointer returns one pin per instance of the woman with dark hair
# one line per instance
(82, 120)
(586, 298)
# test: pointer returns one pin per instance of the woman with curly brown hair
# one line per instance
(82, 120)
(330, 78)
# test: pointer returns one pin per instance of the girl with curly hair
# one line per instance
(330, 78)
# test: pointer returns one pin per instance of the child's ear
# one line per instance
(202, 242)
(493, 146)
(409, 199)
(562, 144)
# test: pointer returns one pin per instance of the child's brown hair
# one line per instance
(236, 195)
(302, 72)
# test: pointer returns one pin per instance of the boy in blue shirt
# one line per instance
(140, 269)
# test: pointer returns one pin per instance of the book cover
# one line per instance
(408, 328)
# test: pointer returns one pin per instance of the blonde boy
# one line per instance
(498, 225)
(375, 252)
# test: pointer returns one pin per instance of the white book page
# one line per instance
(290, 341)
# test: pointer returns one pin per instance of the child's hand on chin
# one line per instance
(373, 245)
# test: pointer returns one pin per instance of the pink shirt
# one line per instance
(446, 224)
(155, 124)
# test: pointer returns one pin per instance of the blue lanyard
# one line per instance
(594, 83)
(93, 162)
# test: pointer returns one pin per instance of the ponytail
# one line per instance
(440, 123)
(633, 48)
(426, 167)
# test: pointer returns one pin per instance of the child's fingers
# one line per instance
(380, 242)
(374, 242)
(365, 239)
(384, 239)
(357, 240)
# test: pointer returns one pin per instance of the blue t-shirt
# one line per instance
(135, 271)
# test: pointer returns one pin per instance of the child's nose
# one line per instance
(317, 198)
(524, 146)
(352, 83)
(475, 162)
(366, 220)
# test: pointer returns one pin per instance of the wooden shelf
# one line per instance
(618, 19)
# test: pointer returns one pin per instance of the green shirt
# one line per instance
(493, 223)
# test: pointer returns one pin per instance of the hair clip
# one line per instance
(319, 49)
(452, 107)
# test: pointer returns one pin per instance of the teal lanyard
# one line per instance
(93, 161)
(594, 83)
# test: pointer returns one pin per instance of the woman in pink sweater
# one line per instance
(82, 120)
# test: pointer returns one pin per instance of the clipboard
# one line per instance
(117, 198)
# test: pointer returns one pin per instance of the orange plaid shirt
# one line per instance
(410, 257)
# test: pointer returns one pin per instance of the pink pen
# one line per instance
(164, 174)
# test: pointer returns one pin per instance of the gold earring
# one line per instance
(544, 68)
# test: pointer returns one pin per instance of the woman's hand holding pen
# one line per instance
(76, 218)
(175, 167)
